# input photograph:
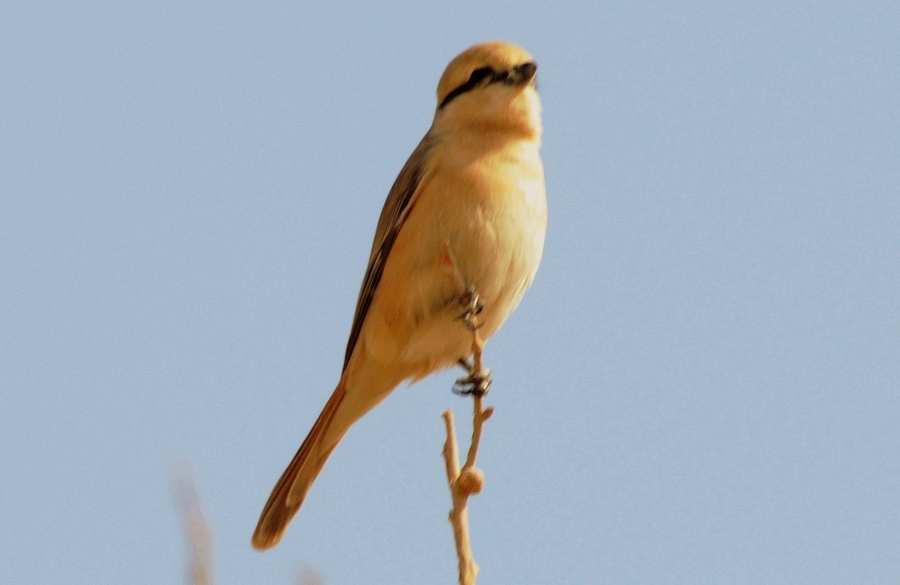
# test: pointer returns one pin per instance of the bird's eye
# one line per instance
(479, 74)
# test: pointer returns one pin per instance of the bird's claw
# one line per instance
(475, 384)
(472, 307)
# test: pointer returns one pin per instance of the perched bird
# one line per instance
(459, 240)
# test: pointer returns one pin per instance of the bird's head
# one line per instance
(490, 86)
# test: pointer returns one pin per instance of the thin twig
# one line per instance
(463, 483)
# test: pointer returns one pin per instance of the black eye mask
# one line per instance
(520, 74)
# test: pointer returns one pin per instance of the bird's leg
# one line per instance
(478, 380)
(469, 300)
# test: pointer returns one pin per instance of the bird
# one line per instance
(458, 241)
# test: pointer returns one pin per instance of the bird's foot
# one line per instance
(472, 307)
(476, 383)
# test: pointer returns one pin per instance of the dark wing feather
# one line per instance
(399, 201)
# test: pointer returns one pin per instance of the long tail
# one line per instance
(299, 476)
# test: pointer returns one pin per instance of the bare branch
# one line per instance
(463, 483)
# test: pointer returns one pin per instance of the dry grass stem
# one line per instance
(196, 528)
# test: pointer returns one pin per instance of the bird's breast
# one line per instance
(479, 221)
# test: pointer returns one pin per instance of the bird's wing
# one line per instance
(396, 208)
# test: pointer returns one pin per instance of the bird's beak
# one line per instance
(524, 73)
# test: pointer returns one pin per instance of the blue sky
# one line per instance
(700, 387)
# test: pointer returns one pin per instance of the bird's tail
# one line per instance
(294, 484)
